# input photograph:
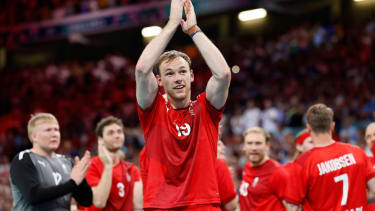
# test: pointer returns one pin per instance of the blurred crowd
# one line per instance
(279, 78)
(24, 11)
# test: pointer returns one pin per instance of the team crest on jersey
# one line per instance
(255, 182)
(128, 177)
(57, 177)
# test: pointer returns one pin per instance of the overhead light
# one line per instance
(358, 0)
(252, 14)
(151, 31)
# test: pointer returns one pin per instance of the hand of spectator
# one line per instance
(80, 168)
(176, 11)
(191, 18)
(103, 154)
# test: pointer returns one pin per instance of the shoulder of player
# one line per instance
(302, 159)
(21, 157)
(220, 161)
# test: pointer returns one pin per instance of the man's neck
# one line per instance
(178, 104)
(322, 139)
(115, 157)
(39, 151)
(260, 163)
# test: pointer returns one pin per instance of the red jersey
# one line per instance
(181, 148)
(289, 168)
(262, 187)
(371, 207)
(331, 178)
(124, 175)
(225, 182)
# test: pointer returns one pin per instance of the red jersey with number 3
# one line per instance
(331, 178)
(262, 187)
(124, 175)
(181, 147)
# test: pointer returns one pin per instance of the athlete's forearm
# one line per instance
(290, 206)
(138, 195)
(232, 205)
(213, 57)
(102, 190)
(155, 48)
(83, 194)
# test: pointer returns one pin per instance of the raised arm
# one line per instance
(218, 85)
(147, 87)
(102, 190)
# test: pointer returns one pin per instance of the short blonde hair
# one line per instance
(258, 130)
(37, 119)
(171, 55)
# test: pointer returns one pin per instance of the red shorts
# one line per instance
(202, 207)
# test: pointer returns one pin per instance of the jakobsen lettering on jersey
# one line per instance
(336, 164)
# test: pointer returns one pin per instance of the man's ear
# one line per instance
(158, 80)
(192, 75)
(332, 127)
(308, 126)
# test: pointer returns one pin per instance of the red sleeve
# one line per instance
(135, 173)
(225, 182)
(296, 184)
(279, 181)
(146, 115)
(213, 112)
(94, 172)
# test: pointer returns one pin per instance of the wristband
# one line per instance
(193, 30)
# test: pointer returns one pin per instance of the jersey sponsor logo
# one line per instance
(243, 189)
(57, 177)
(42, 163)
(184, 130)
(255, 182)
(336, 164)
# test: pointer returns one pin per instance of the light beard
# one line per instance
(258, 161)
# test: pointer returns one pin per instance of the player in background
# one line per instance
(181, 135)
(115, 183)
(43, 180)
(303, 143)
(227, 191)
(263, 179)
(332, 175)
(370, 139)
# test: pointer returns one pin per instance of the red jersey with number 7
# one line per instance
(333, 177)
(124, 175)
(181, 148)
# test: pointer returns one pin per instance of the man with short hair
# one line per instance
(181, 135)
(263, 179)
(332, 175)
(43, 180)
(115, 183)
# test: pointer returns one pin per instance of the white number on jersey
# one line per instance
(184, 130)
(121, 189)
(345, 187)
